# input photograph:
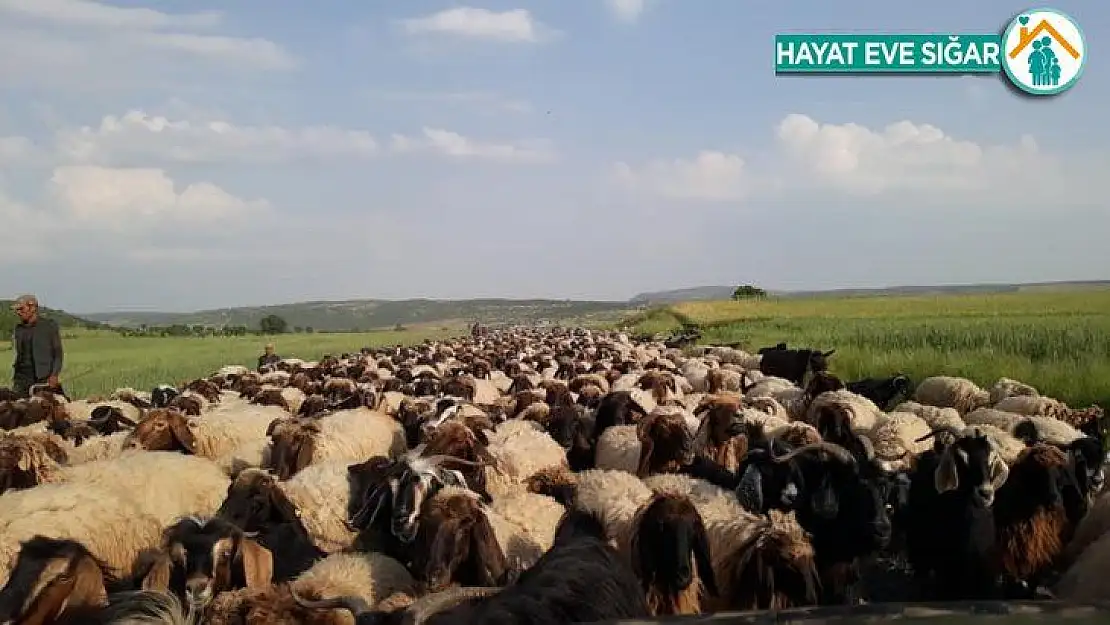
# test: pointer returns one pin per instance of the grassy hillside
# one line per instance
(1057, 340)
(8, 319)
(370, 314)
(704, 293)
(99, 361)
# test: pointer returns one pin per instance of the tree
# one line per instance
(748, 291)
(273, 324)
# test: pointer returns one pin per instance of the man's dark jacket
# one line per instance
(45, 340)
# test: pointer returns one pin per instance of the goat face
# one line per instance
(51, 577)
(969, 465)
(255, 500)
(768, 485)
(163, 430)
(456, 542)
(669, 543)
(209, 557)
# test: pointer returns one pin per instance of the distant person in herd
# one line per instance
(268, 357)
(37, 343)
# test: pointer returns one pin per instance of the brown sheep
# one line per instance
(189, 405)
(721, 437)
(455, 543)
(163, 430)
(272, 397)
(27, 460)
(665, 444)
(662, 384)
(670, 555)
(205, 388)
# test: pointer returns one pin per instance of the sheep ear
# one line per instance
(157, 576)
(47, 606)
(257, 563)
(829, 353)
(180, 428)
(492, 563)
(703, 559)
(304, 456)
(999, 471)
(750, 490)
(946, 477)
(647, 446)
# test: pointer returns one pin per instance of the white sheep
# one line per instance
(951, 392)
(895, 439)
(935, 416)
(1034, 405)
(519, 450)
(115, 507)
(1006, 387)
(218, 434)
(346, 435)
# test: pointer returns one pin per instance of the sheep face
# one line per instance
(163, 430)
(205, 388)
(455, 543)
(670, 555)
(426, 386)
(312, 406)
(271, 397)
(24, 462)
(52, 578)
(254, 500)
(209, 557)
(292, 445)
(665, 444)
(189, 405)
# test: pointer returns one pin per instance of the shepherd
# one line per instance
(38, 349)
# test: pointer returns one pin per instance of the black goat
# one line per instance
(581, 579)
(950, 529)
(794, 364)
(882, 391)
(777, 347)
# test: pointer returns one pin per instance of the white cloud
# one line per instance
(129, 199)
(454, 145)
(95, 14)
(710, 176)
(852, 159)
(626, 10)
(481, 99)
(15, 149)
(20, 234)
(906, 157)
(85, 45)
(138, 135)
(512, 26)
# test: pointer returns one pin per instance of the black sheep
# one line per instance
(794, 364)
(882, 391)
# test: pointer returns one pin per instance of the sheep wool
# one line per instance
(1005, 387)
(895, 439)
(1034, 405)
(951, 392)
(864, 414)
(520, 450)
(357, 434)
(935, 416)
(618, 449)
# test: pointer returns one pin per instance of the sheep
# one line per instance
(219, 434)
(61, 581)
(350, 435)
(362, 578)
(935, 416)
(760, 562)
(318, 498)
(951, 392)
(897, 440)
(1035, 512)
(660, 442)
(460, 540)
(1011, 429)
(864, 414)
(1005, 387)
(580, 580)
(518, 451)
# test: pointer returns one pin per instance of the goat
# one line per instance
(882, 391)
(670, 554)
(950, 529)
(793, 364)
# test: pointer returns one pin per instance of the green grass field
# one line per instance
(1059, 341)
(98, 362)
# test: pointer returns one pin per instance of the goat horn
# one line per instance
(832, 449)
(946, 429)
(441, 458)
(356, 605)
(429, 605)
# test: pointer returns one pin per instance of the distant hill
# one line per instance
(702, 293)
(371, 314)
(8, 319)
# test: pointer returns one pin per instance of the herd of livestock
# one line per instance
(542, 477)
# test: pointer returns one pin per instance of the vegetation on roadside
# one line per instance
(1058, 341)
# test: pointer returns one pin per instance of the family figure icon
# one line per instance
(1044, 67)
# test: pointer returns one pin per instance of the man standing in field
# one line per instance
(37, 343)
(268, 357)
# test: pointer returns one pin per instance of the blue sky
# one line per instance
(185, 155)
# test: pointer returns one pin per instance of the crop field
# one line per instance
(1058, 341)
(98, 362)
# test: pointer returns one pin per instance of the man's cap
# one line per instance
(26, 298)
